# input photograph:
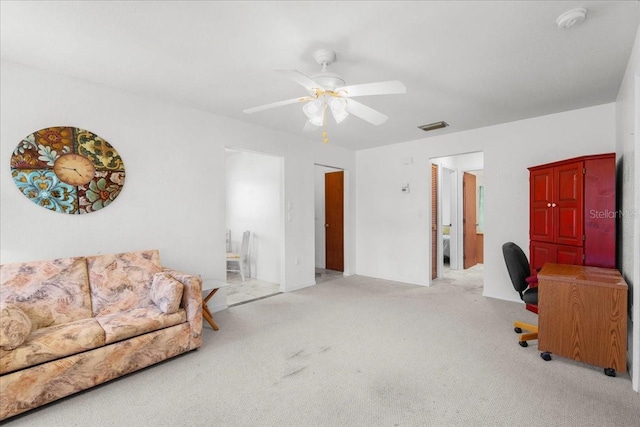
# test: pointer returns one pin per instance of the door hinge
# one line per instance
(583, 238)
(584, 170)
(583, 257)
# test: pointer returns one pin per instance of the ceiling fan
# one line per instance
(327, 91)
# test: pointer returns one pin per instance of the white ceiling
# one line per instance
(470, 63)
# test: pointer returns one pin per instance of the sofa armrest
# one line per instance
(192, 304)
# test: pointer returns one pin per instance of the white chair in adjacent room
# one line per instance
(241, 259)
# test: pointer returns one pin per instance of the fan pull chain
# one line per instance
(325, 139)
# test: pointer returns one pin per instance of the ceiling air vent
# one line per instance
(434, 126)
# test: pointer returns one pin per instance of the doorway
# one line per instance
(254, 203)
(334, 220)
(329, 223)
(458, 194)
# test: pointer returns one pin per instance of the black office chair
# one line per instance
(525, 284)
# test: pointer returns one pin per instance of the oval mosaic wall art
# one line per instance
(68, 170)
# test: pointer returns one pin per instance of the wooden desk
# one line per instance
(583, 314)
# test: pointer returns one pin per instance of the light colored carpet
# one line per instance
(359, 352)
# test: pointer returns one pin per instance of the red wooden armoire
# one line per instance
(573, 212)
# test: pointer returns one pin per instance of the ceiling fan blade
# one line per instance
(301, 79)
(277, 104)
(380, 88)
(365, 113)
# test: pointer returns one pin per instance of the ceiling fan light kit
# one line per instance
(328, 90)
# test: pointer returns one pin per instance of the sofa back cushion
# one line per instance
(121, 282)
(50, 292)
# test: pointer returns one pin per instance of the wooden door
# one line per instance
(469, 219)
(434, 221)
(334, 220)
(567, 204)
(540, 215)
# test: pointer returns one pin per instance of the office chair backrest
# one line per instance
(517, 266)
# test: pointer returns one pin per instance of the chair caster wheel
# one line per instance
(610, 372)
(545, 355)
(518, 330)
(523, 344)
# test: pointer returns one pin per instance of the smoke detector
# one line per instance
(571, 18)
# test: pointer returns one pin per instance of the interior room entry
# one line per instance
(254, 203)
(329, 218)
(459, 226)
(334, 220)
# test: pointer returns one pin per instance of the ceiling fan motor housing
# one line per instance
(327, 80)
(324, 57)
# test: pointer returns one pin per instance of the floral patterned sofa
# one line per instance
(69, 324)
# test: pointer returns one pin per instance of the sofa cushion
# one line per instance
(121, 282)
(50, 292)
(15, 326)
(52, 343)
(166, 292)
(28, 388)
(127, 324)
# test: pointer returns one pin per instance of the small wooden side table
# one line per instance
(212, 286)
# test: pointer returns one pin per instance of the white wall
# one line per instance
(628, 154)
(173, 198)
(393, 227)
(253, 187)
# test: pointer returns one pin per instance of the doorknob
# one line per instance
(548, 205)
(326, 225)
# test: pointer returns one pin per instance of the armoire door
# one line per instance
(567, 204)
(541, 213)
(542, 253)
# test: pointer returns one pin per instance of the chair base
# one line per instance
(531, 334)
